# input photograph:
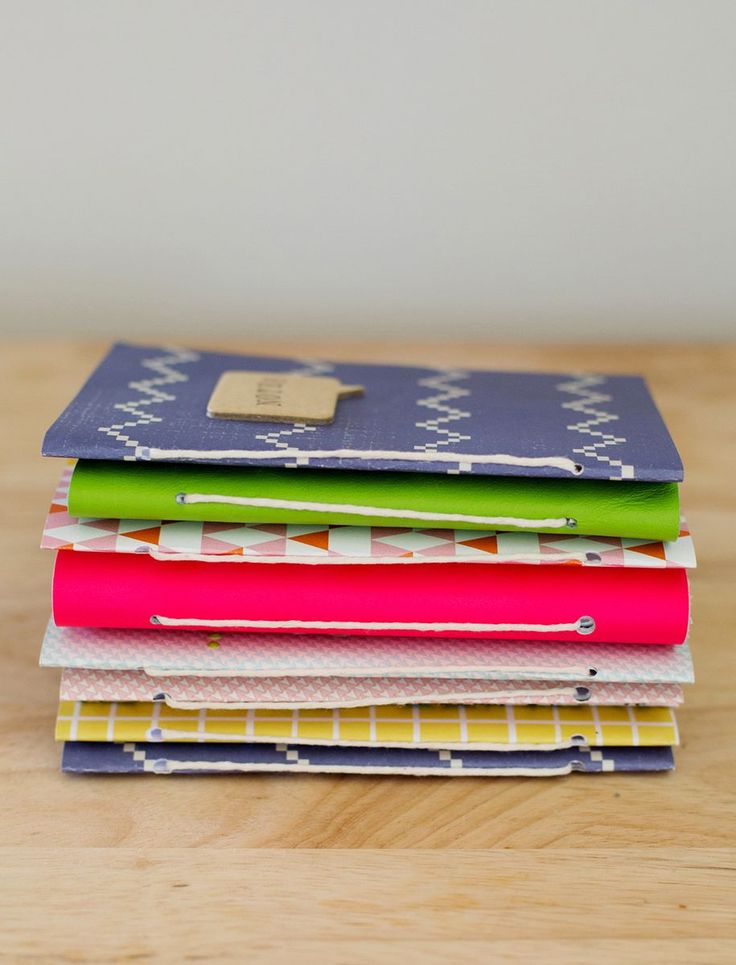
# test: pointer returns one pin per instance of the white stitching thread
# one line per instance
(465, 459)
(186, 499)
(584, 625)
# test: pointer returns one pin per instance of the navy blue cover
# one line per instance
(145, 403)
(107, 758)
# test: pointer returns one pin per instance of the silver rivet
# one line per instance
(582, 694)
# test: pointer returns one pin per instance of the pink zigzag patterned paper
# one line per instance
(280, 542)
(137, 685)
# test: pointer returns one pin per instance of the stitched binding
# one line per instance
(531, 696)
(421, 672)
(303, 506)
(148, 453)
(583, 625)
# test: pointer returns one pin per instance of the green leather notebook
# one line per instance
(118, 490)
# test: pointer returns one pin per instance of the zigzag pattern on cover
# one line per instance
(445, 392)
(380, 430)
(149, 394)
(108, 758)
(582, 386)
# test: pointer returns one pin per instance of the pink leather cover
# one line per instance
(119, 590)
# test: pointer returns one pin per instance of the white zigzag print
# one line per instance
(444, 393)
(588, 399)
(149, 394)
(276, 437)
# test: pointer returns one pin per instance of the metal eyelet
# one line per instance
(586, 625)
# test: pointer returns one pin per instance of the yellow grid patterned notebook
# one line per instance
(458, 726)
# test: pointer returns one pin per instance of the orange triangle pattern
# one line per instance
(488, 544)
(650, 549)
(321, 539)
(146, 535)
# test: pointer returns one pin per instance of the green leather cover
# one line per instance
(149, 491)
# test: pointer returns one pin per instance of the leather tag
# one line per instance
(278, 397)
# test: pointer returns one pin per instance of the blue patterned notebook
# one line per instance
(87, 757)
(145, 403)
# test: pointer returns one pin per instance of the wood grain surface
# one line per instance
(361, 869)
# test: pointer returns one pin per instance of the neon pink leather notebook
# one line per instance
(567, 603)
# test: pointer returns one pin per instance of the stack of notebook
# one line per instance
(272, 565)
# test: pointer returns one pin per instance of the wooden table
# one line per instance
(360, 869)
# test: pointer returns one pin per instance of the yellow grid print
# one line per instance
(419, 725)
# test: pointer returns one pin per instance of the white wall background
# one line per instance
(447, 168)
